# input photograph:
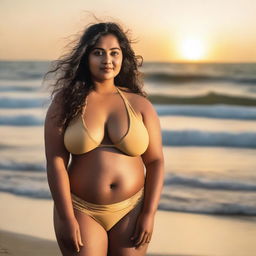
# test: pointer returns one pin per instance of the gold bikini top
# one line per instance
(77, 138)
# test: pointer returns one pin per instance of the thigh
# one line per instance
(94, 236)
(119, 236)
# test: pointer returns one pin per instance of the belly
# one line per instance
(105, 176)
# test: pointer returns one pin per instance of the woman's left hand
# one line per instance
(143, 229)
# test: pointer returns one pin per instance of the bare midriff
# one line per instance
(105, 175)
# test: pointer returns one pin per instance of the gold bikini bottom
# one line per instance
(107, 215)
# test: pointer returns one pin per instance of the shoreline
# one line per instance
(175, 233)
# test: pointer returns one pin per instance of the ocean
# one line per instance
(208, 119)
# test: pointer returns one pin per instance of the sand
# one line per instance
(27, 229)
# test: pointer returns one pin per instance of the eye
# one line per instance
(98, 53)
(115, 53)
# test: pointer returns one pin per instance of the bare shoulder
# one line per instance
(54, 110)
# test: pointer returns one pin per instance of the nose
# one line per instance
(106, 59)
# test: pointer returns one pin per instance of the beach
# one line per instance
(27, 229)
(208, 121)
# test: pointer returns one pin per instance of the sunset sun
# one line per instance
(192, 49)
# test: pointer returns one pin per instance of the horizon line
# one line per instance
(149, 61)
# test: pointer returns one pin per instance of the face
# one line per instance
(105, 59)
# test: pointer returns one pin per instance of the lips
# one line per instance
(107, 68)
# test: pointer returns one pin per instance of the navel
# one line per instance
(113, 185)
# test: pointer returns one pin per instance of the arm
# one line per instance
(56, 163)
(153, 160)
(57, 158)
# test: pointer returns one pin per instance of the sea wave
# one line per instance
(192, 137)
(209, 182)
(21, 120)
(26, 184)
(22, 165)
(204, 206)
(186, 78)
(20, 102)
(209, 193)
(214, 111)
(17, 88)
(206, 99)
(186, 137)
(180, 193)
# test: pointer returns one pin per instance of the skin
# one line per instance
(105, 175)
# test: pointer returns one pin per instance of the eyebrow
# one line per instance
(114, 48)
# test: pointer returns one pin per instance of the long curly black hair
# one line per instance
(74, 83)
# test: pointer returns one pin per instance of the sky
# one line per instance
(165, 30)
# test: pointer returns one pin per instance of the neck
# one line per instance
(107, 87)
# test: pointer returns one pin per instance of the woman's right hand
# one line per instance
(70, 234)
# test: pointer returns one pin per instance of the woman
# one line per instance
(100, 133)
